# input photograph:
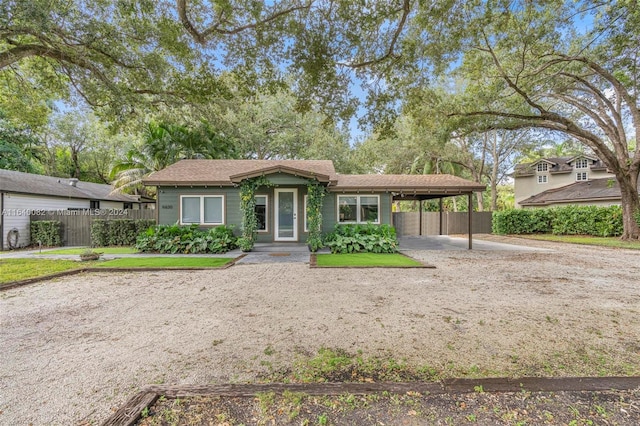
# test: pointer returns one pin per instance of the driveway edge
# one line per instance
(131, 411)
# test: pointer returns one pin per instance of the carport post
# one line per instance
(470, 225)
(440, 216)
(420, 217)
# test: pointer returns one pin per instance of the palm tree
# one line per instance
(163, 145)
(157, 151)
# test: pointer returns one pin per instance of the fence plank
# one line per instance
(76, 224)
(407, 223)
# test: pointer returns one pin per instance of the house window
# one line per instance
(261, 212)
(128, 206)
(543, 167)
(582, 163)
(542, 179)
(202, 209)
(94, 204)
(581, 176)
(358, 208)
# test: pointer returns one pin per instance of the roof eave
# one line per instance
(186, 183)
(449, 190)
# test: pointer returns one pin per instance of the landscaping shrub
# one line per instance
(367, 238)
(47, 232)
(567, 220)
(186, 239)
(522, 221)
(117, 232)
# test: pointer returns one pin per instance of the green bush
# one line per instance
(47, 232)
(117, 232)
(186, 239)
(522, 221)
(362, 238)
(567, 220)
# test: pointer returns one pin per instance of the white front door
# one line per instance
(286, 208)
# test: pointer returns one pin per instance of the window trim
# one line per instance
(202, 197)
(581, 161)
(542, 179)
(358, 208)
(266, 213)
(542, 167)
(580, 174)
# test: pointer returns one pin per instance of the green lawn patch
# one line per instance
(105, 250)
(166, 262)
(587, 240)
(21, 269)
(366, 260)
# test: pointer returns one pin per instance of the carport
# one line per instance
(420, 188)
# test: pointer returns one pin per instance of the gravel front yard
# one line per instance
(74, 349)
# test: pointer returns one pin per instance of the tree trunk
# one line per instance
(630, 205)
(480, 201)
(494, 180)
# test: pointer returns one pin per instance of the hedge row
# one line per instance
(47, 232)
(118, 232)
(568, 220)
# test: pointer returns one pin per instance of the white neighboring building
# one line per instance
(546, 175)
(24, 193)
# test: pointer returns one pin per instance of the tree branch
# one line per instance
(510, 82)
(18, 53)
(406, 10)
(202, 37)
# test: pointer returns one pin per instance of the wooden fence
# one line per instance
(76, 224)
(408, 223)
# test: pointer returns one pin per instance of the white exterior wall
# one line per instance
(116, 205)
(17, 209)
(527, 186)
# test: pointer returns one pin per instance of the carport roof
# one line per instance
(408, 185)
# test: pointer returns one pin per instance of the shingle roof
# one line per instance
(27, 183)
(592, 190)
(230, 172)
(557, 165)
(419, 184)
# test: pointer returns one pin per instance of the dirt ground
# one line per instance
(74, 349)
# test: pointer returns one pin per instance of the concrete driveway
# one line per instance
(446, 242)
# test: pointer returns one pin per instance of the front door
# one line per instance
(286, 214)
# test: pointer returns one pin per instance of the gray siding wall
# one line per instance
(169, 205)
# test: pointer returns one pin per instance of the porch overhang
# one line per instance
(308, 174)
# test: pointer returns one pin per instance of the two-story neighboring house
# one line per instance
(581, 179)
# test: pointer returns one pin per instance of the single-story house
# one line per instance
(207, 193)
(23, 194)
(596, 192)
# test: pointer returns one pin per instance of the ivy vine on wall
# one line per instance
(248, 189)
(315, 197)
